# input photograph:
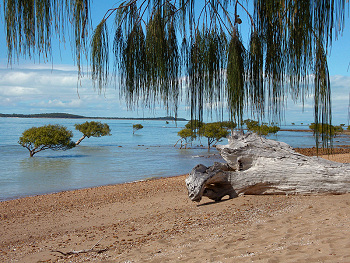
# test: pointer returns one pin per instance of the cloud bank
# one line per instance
(42, 88)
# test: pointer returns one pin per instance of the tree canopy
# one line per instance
(187, 135)
(54, 137)
(214, 132)
(92, 129)
(261, 129)
(163, 49)
(136, 127)
(326, 129)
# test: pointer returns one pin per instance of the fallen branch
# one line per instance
(83, 251)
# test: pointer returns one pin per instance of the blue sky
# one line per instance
(31, 87)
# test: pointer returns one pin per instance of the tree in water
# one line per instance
(229, 125)
(163, 47)
(136, 127)
(54, 137)
(92, 128)
(187, 135)
(214, 132)
(261, 129)
(196, 126)
(328, 130)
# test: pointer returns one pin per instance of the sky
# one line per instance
(29, 87)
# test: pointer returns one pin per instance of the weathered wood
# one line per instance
(256, 165)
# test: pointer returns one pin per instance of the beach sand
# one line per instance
(154, 221)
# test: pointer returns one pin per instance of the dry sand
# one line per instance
(154, 221)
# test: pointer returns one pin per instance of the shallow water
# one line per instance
(121, 157)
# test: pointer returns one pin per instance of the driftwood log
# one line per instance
(256, 165)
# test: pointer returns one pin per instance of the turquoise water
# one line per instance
(121, 157)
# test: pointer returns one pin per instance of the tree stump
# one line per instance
(256, 165)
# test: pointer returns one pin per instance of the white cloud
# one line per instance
(56, 103)
(40, 88)
(11, 91)
(51, 90)
(44, 66)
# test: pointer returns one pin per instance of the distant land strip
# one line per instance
(74, 116)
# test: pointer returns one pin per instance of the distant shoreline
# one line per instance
(296, 130)
(74, 116)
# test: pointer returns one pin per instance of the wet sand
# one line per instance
(154, 221)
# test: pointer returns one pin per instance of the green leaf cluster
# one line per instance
(54, 137)
(326, 129)
(187, 134)
(212, 131)
(147, 59)
(31, 25)
(261, 129)
(137, 127)
(194, 125)
(93, 128)
(285, 55)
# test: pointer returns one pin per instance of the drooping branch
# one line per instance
(289, 43)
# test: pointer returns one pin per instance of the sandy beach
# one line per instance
(154, 221)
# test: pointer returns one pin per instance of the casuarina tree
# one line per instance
(162, 47)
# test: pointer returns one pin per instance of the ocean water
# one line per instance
(119, 158)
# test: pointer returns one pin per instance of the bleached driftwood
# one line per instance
(256, 165)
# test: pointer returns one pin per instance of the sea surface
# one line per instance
(119, 158)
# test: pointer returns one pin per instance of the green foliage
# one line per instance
(100, 54)
(31, 25)
(137, 127)
(187, 134)
(326, 130)
(93, 128)
(54, 137)
(348, 127)
(148, 61)
(204, 57)
(262, 129)
(194, 125)
(338, 129)
(236, 68)
(214, 132)
(251, 124)
(285, 56)
(228, 124)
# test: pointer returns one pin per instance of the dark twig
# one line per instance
(73, 252)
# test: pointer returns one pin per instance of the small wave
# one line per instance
(198, 156)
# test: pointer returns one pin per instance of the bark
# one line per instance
(79, 141)
(256, 165)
